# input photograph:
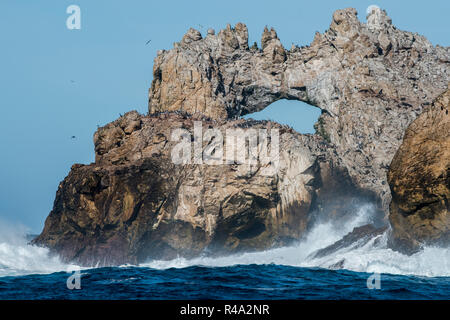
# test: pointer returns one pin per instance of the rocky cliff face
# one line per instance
(420, 181)
(135, 203)
(370, 81)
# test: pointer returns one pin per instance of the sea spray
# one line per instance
(321, 235)
(17, 257)
(372, 257)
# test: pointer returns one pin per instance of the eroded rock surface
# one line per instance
(134, 203)
(357, 238)
(370, 80)
(420, 181)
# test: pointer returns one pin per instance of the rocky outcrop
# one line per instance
(419, 177)
(136, 202)
(357, 238)
(370, 81)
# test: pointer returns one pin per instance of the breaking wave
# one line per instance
(17, 257)
(373, 257)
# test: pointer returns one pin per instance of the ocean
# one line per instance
(239, 282)
(367, 271)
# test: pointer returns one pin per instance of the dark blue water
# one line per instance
(236, 282)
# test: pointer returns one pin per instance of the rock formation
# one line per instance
(357, 238)
(370, 81)
(419, 177)
(135, 203)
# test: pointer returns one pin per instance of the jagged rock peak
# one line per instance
(377, 19)
(234, 38)
(268, 36)
(191, 35)
(370, 81)
(241, 33)
(345, 20)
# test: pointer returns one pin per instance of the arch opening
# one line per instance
(294, 113)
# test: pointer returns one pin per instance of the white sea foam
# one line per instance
(19, 258)
(373, 257)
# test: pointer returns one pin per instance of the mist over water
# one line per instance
(18, 258)
(373, 257)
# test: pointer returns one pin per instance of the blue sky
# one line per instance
(57, 83)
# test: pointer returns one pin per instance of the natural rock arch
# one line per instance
(296, 114)
(134, 203)
(370, 80)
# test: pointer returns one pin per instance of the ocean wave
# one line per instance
(373, 257)
(17, 257)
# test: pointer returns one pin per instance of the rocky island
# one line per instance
(372, 83)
